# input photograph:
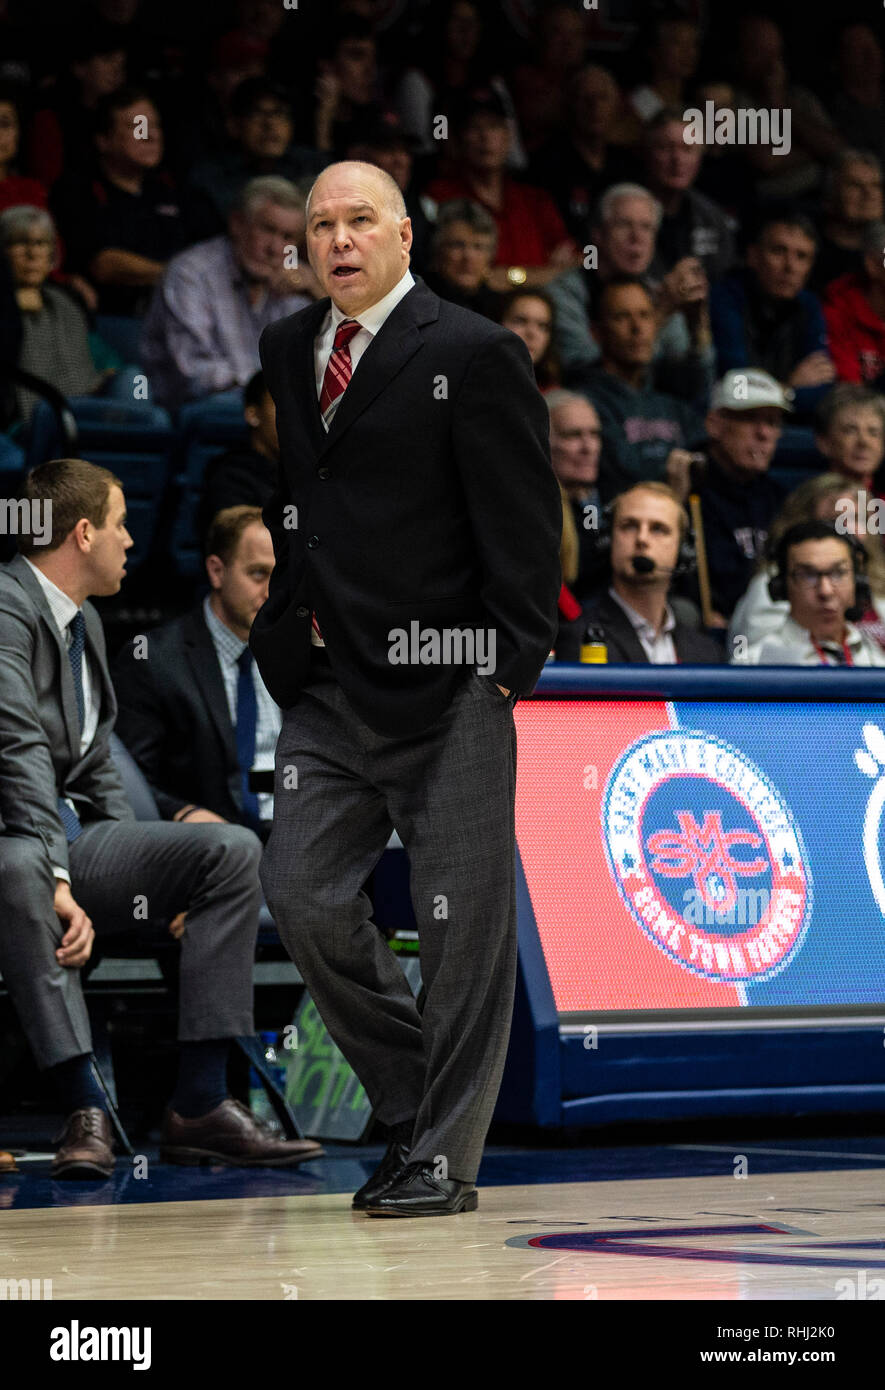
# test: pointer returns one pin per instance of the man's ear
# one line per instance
(711, 424)
(215, 570)
(250, 415)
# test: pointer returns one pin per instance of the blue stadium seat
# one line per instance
(207, 428)
(133, 439)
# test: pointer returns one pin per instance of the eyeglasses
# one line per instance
(33, 243)
(809, 578)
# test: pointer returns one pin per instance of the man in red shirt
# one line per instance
(854, 308)
(533, 243)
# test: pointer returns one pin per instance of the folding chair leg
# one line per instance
(110, 1101)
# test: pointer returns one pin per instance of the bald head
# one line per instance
(358, 234)
(388, 190)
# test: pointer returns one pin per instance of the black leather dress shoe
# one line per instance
(416, 1192)
(396, 1156)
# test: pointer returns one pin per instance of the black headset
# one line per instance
(686, 560)
(863, 596)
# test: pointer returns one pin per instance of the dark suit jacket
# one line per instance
(175, 721)
(623, 644)
(430, 501)
(39, 728)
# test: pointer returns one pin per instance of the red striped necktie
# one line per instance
(339, 370)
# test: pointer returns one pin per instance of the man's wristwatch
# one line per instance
(516, 275)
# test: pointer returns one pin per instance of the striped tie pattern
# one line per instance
(338, 369)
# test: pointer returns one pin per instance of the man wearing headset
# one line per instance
(648, 538)
(822, 574)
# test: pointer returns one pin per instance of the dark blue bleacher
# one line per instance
(206, 428)
(135, 440)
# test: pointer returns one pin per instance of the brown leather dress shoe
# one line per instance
(230, 1134)
(85, 1146)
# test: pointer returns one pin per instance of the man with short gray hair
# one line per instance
(625, 229)
(215, 299)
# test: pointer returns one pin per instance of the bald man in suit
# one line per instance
(414, 599)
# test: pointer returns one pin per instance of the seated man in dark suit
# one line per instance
(194, 712)
(73, 855)
(648, 526)
(247, 473)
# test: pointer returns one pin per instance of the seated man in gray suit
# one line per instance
(196, 715)
(649, 526)
(73, 859)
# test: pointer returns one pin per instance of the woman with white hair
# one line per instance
(55, 329)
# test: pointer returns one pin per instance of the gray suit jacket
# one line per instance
(39, 729)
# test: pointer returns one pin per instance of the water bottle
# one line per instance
(593, 648)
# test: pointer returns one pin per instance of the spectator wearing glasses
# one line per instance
(124, 218)
(825, 497)
(821, 573)
(56, 344)
(462, 253)
(208, 312)
(261, 127)
(852, 198)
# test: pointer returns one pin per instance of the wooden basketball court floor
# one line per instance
(663, 1221)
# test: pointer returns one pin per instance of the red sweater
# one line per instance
(529, 225)
(857, 335)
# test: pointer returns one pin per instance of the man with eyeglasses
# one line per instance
(817, 571)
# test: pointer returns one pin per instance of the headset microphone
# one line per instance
(643, 564)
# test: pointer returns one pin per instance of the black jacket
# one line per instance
(241, 476)
(692, 647)
(174, 718)
(431, 501)
(736, 518)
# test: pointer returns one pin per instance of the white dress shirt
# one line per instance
(371, 320)
(229, 648)
(791, 645)
(63, 609)
(659, 647)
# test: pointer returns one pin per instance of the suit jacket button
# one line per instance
(302, 612)
(324, 473)
(313, 542)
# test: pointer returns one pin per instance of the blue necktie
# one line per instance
(69, 818)
(247, 721)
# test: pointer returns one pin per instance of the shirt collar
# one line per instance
(229, 647)
(62, 607)
(642, 624)
(853, 636)
(373, 317)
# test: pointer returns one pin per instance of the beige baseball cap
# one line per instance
(748, 388)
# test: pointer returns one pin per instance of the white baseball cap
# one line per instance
(748, 388)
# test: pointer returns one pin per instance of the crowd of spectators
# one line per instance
(707, 320)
